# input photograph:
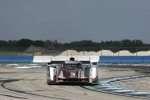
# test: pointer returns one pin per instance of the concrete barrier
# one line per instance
(16, 59)
(41, 59)
(100, 59)
(124, 59)
(45, 59)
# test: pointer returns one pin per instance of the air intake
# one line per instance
(72, 59)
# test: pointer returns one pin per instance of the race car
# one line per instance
(72, 71)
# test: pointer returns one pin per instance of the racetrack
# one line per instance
(30, 84)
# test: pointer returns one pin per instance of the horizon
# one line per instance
(78, 40)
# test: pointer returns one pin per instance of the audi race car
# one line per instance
(71, 71)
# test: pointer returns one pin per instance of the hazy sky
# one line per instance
(73, 20)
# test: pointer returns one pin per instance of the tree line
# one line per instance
(131, 45)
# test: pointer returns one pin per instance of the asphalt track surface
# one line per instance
(30, 84)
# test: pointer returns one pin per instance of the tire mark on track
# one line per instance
(24, 92)
(13, 96)
(104, 89)
(10, 95)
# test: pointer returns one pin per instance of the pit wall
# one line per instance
(100, 59)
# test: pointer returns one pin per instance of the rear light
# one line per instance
(72, 74)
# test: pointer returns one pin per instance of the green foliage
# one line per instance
(88, 45)
(24, 43)
(38, 43)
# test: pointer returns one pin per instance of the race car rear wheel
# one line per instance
(90, 80)
(51, 82)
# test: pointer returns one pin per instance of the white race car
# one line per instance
(72, 71)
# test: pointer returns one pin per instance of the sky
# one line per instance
(75, 20)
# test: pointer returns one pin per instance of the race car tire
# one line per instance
(90, 80)
(49, 82)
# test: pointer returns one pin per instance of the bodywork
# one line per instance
(71, 71)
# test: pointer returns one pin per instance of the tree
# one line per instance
(38, 43)
(24, 43)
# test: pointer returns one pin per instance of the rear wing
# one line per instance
(85, 62)
(82, 59)
(56, 62)
(62, 59)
